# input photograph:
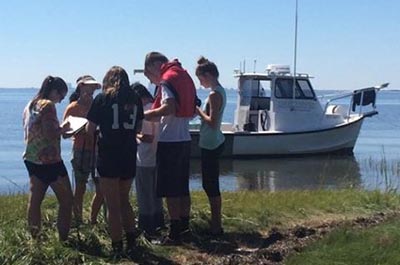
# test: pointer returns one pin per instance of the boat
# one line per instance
(279, 114)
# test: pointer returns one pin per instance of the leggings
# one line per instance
(210, 170)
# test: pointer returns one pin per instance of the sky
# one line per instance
(342, 44)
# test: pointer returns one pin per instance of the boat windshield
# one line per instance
(254, 88)
(284, 89)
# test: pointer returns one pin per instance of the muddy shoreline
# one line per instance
(271, 248)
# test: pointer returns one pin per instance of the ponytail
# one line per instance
(49, 84)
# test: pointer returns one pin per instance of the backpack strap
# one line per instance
(171, 88)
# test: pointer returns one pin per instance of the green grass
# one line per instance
(244, 213)
(377, 245)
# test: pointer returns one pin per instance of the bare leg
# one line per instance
(185, 206)
(80, 189)
(174, 210)
(37, 192)
(97, 202)
(126, 207)
(174, 207)
(111, 192)
(63, 191)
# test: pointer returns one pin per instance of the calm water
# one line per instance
(376, 163)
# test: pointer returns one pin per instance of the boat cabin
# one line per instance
(269, 102)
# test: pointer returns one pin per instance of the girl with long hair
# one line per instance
(42, 156)
(118, 113)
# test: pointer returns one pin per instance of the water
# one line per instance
(375, 164)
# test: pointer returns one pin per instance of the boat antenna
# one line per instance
(295, 55)
(255, 62)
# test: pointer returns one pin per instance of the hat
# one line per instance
(87, 80)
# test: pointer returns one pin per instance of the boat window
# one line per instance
(264, 89)
(306, 88)
(284, 89)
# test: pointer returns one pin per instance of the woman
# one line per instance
(42, 156)
(83, 146)
(118, 112)
(211, 140)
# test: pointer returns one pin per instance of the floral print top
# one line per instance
(41, 133)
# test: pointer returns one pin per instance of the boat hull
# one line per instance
(339, 139)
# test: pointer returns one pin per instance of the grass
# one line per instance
(245, 214)
(377, 245)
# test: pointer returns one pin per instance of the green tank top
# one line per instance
(212, 138)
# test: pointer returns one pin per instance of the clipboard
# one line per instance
(76, 125)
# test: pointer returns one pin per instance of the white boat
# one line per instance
(274, 117)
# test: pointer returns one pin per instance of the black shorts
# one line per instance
(173, 162)
(114, 163)
(46, 173)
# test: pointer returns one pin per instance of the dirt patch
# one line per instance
(273, 248)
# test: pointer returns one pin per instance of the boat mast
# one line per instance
(295, 57)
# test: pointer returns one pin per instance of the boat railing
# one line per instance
(358, 98)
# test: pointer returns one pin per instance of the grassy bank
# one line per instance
(377, 245)
(247, 218)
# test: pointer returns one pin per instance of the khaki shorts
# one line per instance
(82, 165)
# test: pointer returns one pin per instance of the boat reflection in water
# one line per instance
(298, 173)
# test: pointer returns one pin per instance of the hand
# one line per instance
(65, 127)
(150, 115)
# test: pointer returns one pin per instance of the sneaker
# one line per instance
(117, 250)
(186, 236)
(217, 233)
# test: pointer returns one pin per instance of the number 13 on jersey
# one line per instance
(130, 125)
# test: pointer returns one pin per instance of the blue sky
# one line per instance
(343, 44)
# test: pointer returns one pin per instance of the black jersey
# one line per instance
(118, 124)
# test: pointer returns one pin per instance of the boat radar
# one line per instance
(278, 69)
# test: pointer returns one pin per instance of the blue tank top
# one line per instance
(212, 138)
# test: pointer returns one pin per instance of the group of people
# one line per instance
(130, 135)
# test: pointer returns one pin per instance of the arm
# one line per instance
(215, 101)
(146, 138)
(167, 108)
(66, 114)
(50, 126)
(92, 117)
